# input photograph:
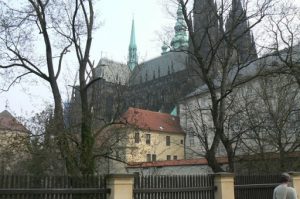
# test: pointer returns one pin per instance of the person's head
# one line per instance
(285, 178)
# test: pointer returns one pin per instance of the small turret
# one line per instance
(164, 48)
(132, 50)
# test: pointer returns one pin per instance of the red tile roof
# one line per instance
(154, 121)
(200, 161)
(8, 122)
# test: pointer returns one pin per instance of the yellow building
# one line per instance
(14, 138)
(147, 136)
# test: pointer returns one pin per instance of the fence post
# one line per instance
(120, 185)
(295, 181)
(225, 185)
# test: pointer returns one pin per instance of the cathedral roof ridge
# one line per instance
(109, 61)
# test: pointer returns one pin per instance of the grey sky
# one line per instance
(111, 40)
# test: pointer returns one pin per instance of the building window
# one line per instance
(181, 141)
(137, 137)
(192, 138)
(175, 157)
(192, 141)
(148, 138)
(117, 155)
(168, 157)
(118, 137)
(148, 157)
(168, 140)
(153, 157)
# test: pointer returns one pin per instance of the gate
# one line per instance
(174, 187)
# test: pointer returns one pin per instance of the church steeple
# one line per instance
(206, 28)
(180, 40)
(132, 50)
(237, 27)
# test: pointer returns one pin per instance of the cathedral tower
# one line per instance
(132, 50)
(240, 36)
(206, 27)
(180, 40)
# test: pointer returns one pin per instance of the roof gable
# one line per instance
(150, 120)
(8, 122)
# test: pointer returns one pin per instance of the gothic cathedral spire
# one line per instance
(132, 50)
(206, 27)
(237, 27)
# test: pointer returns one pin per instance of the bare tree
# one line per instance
(267, 111)
(283, 31)
(57, 26)
(222, 51)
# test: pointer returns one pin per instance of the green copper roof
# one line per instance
(132, 43)
(132, 50)
(180, 40)
(174, 111)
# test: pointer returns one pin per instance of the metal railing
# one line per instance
(174, 187)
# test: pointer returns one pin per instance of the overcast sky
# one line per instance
(111, 40)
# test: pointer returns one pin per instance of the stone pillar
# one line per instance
(295, 178)
(225, 186)
(121, 186)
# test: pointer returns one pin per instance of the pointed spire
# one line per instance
(237, 26)
(238, 11)
(180, 40)
(132, 50)
(132, 43)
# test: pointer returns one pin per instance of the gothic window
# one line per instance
(172, 68)
(162, 96)
(109, 107)
(146, 76)
(158, 71)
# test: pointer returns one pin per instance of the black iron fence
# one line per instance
(52, 187)
(145, 187)
(174, 187)
(255, 186)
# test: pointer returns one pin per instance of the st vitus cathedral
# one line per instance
(160, 83)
